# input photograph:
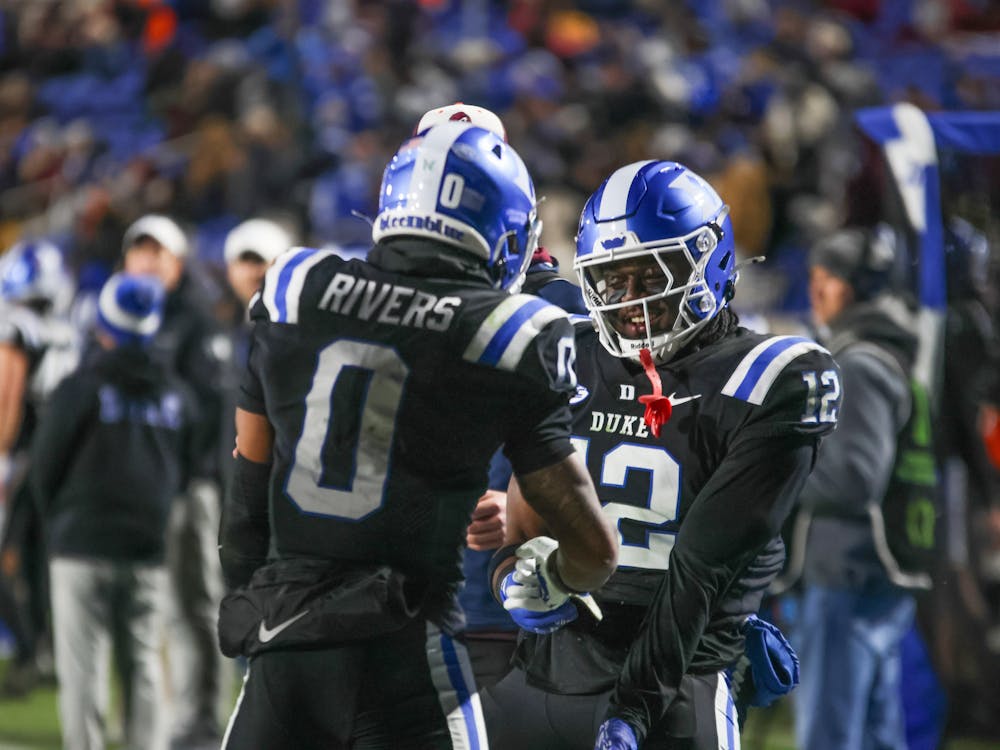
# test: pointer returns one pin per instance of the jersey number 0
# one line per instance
(349, 421)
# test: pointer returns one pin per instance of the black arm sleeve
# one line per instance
(251, 395)
(738, 512)
(542, 425)
(244, 533)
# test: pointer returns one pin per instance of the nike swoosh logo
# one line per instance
(266, 634)
(678, 401)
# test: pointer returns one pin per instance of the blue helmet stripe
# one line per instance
(502, 338)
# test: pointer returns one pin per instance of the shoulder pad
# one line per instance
(509, 329)
(761, 366)
(285, 280)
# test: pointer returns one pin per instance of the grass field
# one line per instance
(33, 723)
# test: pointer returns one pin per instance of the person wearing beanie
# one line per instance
(850, 266)
(108, 458)
(191, 343)
(855, 607)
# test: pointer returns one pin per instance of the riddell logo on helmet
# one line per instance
(426, 223)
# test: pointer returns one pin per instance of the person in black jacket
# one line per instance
(107, 460)
(191, 344)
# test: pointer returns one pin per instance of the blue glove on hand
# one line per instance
(774, 664)
(615, 734)
(531, 620)
(532, 595)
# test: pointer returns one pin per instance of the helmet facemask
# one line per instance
(514, 250)
(653, 295)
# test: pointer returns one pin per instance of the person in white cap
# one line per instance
(156, 244)
(249, 250)
(190, 343)
(109, 457)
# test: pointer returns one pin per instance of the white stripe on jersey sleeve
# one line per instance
(773, 370)
(736, 379)
(493, 323)
(526, 334)
(273, 275)
(298, 280)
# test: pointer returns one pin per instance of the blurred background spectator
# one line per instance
(109, 456)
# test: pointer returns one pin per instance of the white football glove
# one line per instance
(534, 587)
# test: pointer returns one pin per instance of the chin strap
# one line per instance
(658, 406)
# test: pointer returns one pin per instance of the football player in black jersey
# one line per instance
(376, 393)
(698, 434)
(38, 348)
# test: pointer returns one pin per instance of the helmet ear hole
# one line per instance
(497, 151)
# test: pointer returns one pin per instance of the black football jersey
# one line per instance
(744, 390)
(388, 395)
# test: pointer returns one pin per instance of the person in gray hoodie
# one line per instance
(854, 612)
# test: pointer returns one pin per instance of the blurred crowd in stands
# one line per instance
(215, 111)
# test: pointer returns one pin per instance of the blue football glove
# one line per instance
(615, 734)
(774, 664)
(530, 592)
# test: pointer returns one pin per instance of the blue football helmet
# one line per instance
(32, 273)
(655, 257)
(463, 186)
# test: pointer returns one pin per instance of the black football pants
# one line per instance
(521, 717)
(409, 690)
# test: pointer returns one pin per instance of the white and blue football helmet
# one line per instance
(32, 273)
(464, 186)
(657, 210)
